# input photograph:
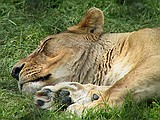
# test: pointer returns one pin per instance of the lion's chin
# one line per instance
(32, 87)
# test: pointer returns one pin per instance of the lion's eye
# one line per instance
(95, 97)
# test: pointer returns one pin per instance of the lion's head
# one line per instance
(62, 57)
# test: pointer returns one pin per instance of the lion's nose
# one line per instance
(16, 70)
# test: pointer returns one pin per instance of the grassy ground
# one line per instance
(23, 23)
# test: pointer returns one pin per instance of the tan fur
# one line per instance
(83, 54)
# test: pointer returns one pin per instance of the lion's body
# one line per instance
(123, 61)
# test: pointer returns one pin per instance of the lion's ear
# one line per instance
(92, 22)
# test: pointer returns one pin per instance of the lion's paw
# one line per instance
(49, 98)
(74, 97)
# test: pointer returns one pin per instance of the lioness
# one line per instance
(88, 67)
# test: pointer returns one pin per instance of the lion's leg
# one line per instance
(67, 93)
(142, 82)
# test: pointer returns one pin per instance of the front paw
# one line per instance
(47, 98)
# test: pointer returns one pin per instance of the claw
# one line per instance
(95, 97)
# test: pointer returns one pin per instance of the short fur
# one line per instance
(84, 54)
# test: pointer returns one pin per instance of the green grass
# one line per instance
(23, 23)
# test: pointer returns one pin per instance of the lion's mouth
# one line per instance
(40, 79)
(44, 78)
